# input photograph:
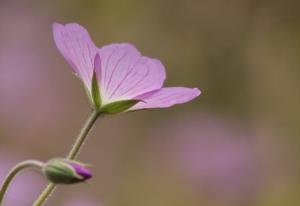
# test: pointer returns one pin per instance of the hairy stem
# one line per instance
(83, 134)
(72, 154)
(14, 171)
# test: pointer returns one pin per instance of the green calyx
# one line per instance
(96, 96)
(118, 107)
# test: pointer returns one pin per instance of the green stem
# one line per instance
(83, 134)
(14, 171)
(44, 195)
(72, 154)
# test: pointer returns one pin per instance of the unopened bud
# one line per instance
(63, 171)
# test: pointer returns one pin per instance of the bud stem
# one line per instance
(14, 171)
(72, 154)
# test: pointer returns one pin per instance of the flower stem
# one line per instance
(14, 171)
(83, 134)
(72, 154)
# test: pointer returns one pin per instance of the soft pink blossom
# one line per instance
(122, 72)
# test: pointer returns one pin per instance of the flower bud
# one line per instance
(63, 171)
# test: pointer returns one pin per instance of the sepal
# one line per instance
(118, 106)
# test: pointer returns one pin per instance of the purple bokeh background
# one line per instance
(235, 145)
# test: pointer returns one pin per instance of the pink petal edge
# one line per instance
(75, 44)
(166, 97)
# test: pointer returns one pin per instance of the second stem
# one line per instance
(72, 154)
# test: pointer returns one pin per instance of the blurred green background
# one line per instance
(237, 144)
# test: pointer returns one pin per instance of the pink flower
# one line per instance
(117, 77)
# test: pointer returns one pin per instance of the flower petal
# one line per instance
(126, 74)
(75, 44)
(166, 97)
